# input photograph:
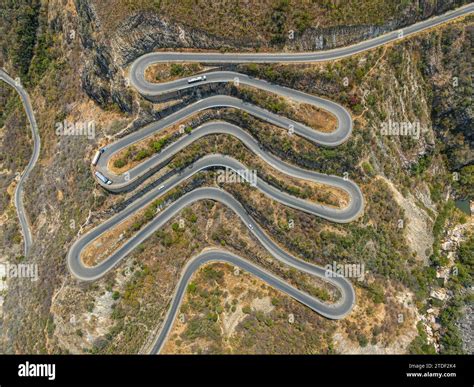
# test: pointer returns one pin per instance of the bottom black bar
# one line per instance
(196, 370)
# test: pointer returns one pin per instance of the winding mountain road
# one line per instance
(135, 175)
(20, 208)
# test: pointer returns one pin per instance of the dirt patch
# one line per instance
(166, 72)
(386, 327)
(418, 228)
(318, 119)
(262, 304)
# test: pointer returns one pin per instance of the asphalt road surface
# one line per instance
(20, 208)
(122, 182)
(217, 255)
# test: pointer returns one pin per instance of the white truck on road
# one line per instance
(102, 178)
(197, 79)
(96, 158)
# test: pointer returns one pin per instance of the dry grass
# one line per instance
(254, 20)
(318, 119)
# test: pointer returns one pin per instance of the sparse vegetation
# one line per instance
(146, 279)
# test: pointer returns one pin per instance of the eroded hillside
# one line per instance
(77, 62)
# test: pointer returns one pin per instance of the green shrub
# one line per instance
(120, 163)
(142, 154)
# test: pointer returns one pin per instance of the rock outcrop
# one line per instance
(144, 32)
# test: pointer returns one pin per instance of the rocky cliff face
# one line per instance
(111, 51)
(62, 188)
(101, 77)
(327, 38)
(448, 66)
(143, 33)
